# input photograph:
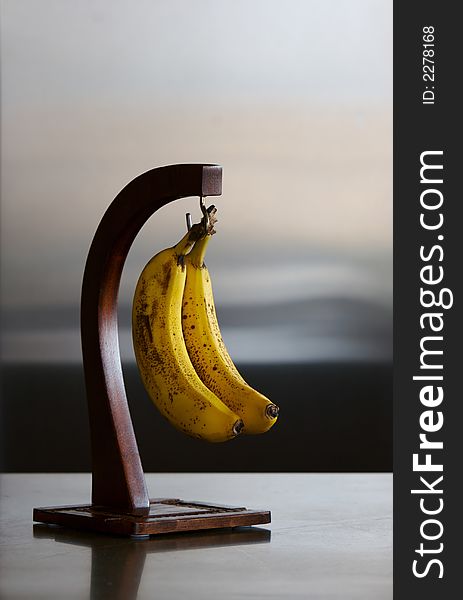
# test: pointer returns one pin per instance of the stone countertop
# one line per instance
(330, 538)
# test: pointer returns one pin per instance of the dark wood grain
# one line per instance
(118, 479)
(165, 516)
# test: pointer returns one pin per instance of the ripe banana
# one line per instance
(207, 350)
(162, 358)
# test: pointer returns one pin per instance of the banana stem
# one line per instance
(196, 256)
(197, 233)
(189, 239)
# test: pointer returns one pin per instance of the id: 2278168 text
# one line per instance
(428, 65)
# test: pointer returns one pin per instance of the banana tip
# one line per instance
(238, 427)
(271, 411)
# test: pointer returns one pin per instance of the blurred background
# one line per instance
(294, 100)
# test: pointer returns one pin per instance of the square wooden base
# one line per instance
(167, 515)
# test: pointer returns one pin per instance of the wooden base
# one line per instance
(167, 515)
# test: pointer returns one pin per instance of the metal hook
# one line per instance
(206, 216)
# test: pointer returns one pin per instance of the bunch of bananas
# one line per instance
(182, 359)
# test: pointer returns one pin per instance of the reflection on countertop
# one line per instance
(117, 563)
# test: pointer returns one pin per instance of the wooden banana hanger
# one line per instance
(120, 501)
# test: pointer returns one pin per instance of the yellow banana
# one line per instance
(207, 350)
(162, 358)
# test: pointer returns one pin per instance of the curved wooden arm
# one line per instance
(118, 481)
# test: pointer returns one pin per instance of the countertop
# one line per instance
(330, 538)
